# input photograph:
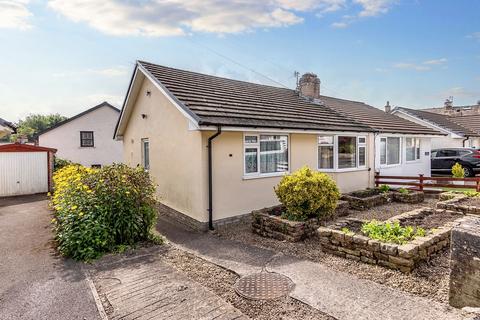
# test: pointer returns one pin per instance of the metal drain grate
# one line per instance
(264, 286)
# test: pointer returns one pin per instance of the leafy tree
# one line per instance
(35, 123)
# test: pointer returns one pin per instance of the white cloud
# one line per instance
(436, 61)
(119, 71)
(182, 17)
(424, 66)
(14, 14)
(339, 25)
(475, 35)
(374, 7)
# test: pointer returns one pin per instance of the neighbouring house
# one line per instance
(461, 131)
(87, 137)
(216, 147)
(25, 169)
(449, 109)
(6, 129)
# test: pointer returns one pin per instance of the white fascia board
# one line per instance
(117, 136)
(427, 123)
(257, 129)
(408, 135)
(177, 103)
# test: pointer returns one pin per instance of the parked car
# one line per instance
(444, 159)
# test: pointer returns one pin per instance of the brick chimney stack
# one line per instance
(309, 86)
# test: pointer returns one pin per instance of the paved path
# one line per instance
(144, 287)
(338, 294)
(34, 283)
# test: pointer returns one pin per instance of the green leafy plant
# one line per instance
(101, 210)
(384, 188)
(458, 171)
(306, 194)
(391, 232)
(59, 163)
(403, 191)
(347, 231)
(471, 194)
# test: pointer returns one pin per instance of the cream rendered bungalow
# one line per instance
(216, 147)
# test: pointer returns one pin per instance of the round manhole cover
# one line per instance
(263, 286)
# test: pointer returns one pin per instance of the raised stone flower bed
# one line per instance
(461, 203)
(411, 197)
(268, 223)
(366, 199)
(354, 245)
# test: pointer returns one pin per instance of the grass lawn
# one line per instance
(472, 188)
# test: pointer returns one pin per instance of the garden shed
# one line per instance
(25, 169)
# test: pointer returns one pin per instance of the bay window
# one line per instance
(342, 152)
(265, 154)
(390, 150)
(412, 149)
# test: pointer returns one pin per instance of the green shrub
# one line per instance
(458, 171)
(98, 210)
(59, 163)
(391, 232)
(384, 188)
(306, 194)
(403, 191)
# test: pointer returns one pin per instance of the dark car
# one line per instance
(444, 159)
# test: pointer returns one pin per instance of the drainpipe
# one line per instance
(210, 178)
(465, 140)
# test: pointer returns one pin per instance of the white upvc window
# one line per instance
(145, 153)
(412, 146)
(341, 152)
(265, 154)
(390, 148)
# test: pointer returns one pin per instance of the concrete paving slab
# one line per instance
(145, 287)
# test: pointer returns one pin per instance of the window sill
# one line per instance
(342, 170)
(266, 175)
(390, 165)
(413, 161)
(86, 147)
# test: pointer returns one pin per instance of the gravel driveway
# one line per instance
(34, 282)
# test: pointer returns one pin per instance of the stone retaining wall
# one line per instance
(271, 226)
(399, 257)
(268, 223)
(465, 264)
(455, 204)
(410, 197)
(366, 199)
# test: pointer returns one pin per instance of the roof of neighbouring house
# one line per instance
(214, 101)
(471, 122)
(5, 123)
(61, 123)
(443, 121)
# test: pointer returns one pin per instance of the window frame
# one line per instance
(81, 139)
(417, 149)
(256, 145)
(335, 152)
(144, 141)
(400, 151)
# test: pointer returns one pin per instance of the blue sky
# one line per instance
(68, 55)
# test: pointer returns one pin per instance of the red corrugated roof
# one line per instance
(17, 147)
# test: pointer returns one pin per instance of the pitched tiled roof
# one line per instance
(5, 123)
(470, 122)
(440, 120)
(375, 118)
(220, 101)
(61, 123)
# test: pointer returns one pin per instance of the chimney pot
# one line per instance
(309, 86)
(388, 107)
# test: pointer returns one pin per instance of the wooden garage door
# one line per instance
(23, 173)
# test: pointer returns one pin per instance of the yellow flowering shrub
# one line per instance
(98, 210)
(307, 194)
